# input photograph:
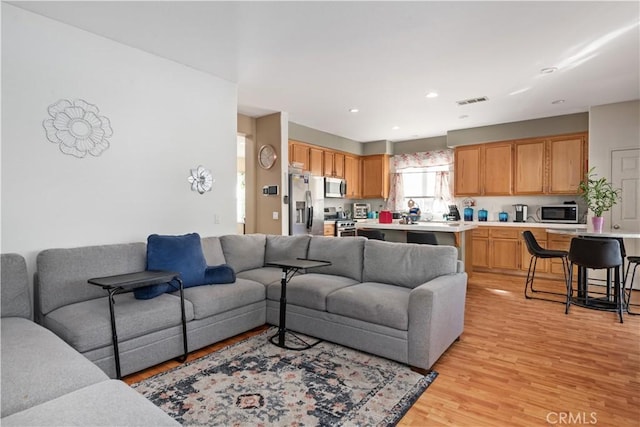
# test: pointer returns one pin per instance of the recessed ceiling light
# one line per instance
(432, 95)
(549, 70)
(558, 101)
(464, 116)
(353, 110)
(395, 127)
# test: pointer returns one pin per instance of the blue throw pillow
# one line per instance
(219, 274)
(182, 254)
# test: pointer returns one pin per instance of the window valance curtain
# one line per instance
(423, 159)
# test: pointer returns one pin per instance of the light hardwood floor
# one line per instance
(524, 363)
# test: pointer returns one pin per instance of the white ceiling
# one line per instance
(316, 60)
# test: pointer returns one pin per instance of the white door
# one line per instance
(625, 174)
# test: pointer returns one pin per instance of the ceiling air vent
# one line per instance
(472, 100)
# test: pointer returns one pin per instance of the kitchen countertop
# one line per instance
(456, 226)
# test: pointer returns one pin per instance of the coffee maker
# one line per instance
(521, 213)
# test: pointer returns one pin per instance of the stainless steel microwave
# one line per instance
(335, 187)
(567, 214)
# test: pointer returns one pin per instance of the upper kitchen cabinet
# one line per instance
(468, 170)
(352, 176)
(375, 176)
(529, 167)
(312, 158)
(333, 164)
(567, 163)
(553, 165)
(484, 170)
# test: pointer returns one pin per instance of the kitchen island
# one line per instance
(454, 233)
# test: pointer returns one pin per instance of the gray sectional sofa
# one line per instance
(45, 382)
(400, 301)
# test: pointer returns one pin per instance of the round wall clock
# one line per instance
(267, 156)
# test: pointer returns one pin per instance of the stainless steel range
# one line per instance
(345, 228)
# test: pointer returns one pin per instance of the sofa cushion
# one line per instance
(38, 366)
(212, 249)
(86, 325)
(214, 299)
(63, 273)
(14, 285)
(286, 247)
(108, 403)
(310, 290)
(345, 255)
(379, 303)
(244, 251)
(407, 264)
(264, 275)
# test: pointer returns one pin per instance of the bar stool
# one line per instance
(636, 261)
(371, 234)
(596, 254)
(536, 251)
(421, 238)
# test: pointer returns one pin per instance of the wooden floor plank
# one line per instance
(523, 362)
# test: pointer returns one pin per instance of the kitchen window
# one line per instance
(423, 178)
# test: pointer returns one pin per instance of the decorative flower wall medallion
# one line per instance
(78, 128)
(201, 180)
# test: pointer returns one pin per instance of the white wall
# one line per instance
(166, 118)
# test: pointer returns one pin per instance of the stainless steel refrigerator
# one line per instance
(306, 204)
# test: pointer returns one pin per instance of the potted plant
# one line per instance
(599, 195)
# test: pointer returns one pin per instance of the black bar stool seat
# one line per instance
(598, 254)
(536, 251)
(371, 234)
(423, 238)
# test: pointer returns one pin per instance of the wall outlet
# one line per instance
(275, 215)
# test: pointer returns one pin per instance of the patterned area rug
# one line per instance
(255, 383)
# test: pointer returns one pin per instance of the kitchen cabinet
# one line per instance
(567, 163)
(329, 229)
(468, 170)
(480, 242)
(316, 161)
(551, 165)
(375, 176)
(299, 153)
(333, 164)
(352, 176)
(557, 242)
(484, 169)
(504, 248)
(529, 167)
(498, 169)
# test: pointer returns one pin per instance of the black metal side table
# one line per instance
(289, 268)
(123, 283)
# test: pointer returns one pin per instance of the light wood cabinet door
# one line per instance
(299, 153)
(375, 177)
(468, 168)
(505, 254)
(329, 229)
(498, 169)
(566, 164)
(529, 167)
(480, 242)
(352, 176)
(338, 165)
(557, 242)
(316, 161)
(328, 163)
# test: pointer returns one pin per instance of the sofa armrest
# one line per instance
(436, 318)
